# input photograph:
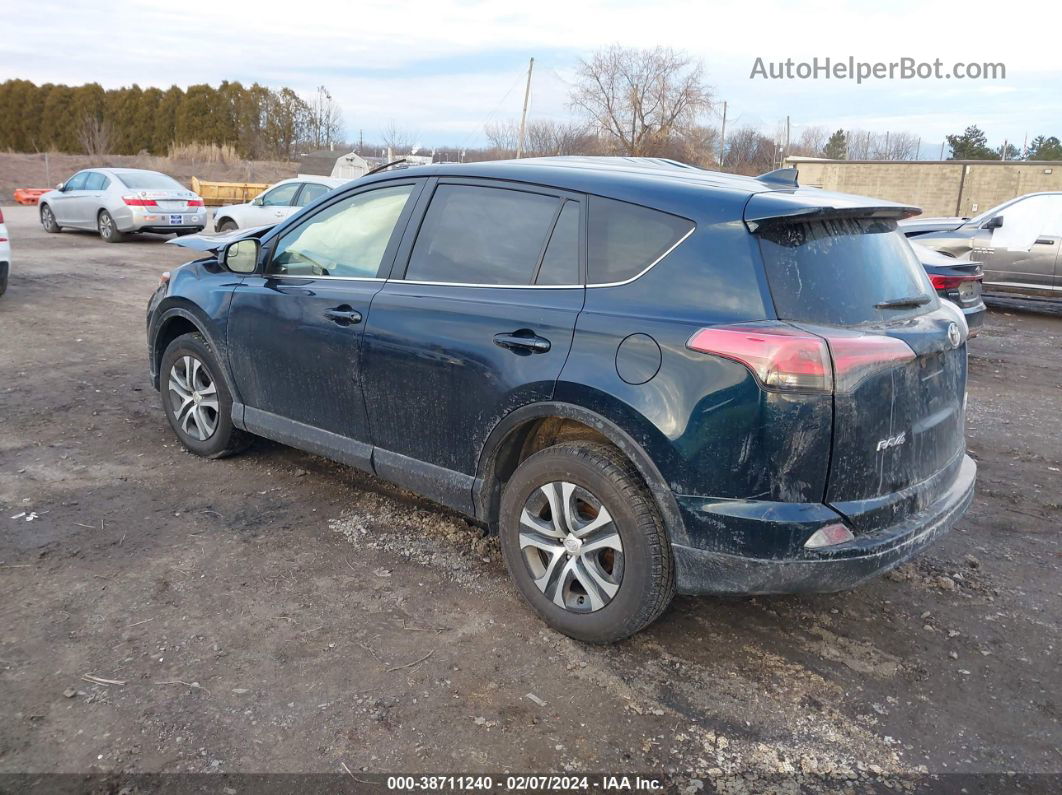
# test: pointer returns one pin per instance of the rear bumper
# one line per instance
(703, 571)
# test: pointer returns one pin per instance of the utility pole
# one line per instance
(523, 116)
(785, 154)
(1004, 157)
(942, 149)
(722, 137)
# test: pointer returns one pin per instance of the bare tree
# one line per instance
(749, 151)
(638, 98)
(811, 143)
(95, 134)
(397, 139)
(324, 121)
(502, 137)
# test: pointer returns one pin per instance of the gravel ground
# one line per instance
(276, 612)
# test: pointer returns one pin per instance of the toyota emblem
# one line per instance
(954, 335)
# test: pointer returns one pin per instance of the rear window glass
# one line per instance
(838, 271)
(149, 180)
(476, 235)
(625, 239)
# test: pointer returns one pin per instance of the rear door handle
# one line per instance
(343, 315)
(523, 341)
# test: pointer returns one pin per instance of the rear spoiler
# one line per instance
(214, 243)
(810, 204)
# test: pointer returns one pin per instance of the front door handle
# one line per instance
(343, 315)
(522, 341)
(1045, 241)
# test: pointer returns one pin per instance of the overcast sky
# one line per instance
(443, 68)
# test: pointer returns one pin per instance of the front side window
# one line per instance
(281, 195)
(311, 192)
(1028, 219)
(348, 238)
(76, 182)
(624, 239)
(479, 235)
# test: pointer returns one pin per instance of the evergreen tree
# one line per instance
(837, 147)
(971, 145)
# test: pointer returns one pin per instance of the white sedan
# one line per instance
(275, 204)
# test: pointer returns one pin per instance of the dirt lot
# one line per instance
(275, 612)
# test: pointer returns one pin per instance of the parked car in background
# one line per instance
(275, 204)
(1017, 243)
(645, 379)
(5, 255)
(955, 280)
(117, 202)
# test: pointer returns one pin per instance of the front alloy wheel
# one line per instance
(571, 547)
(193, 398)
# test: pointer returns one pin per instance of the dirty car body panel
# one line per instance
(656, 311)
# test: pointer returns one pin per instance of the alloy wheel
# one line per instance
(193, 398)
(106, 225)
(47, 218)
(571, 547)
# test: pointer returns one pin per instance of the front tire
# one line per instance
(196, 399)
(108, 229)
(48, 220)
(584, 542)
(228, 225)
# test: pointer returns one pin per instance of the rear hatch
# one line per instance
(898, 356)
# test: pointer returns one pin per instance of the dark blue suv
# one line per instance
(647, 378)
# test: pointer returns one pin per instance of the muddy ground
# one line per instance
(276, 612)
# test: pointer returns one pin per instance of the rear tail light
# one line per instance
(786, 359)
(829, 536)
(195, 202)
(1, 216)
(136, 201)
(780, 357)
(951, 282)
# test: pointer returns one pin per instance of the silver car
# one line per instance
(119, 201)
(273, 205)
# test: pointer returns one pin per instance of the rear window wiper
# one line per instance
(900, 303)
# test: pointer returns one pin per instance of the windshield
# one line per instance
(843, 271)
(149, 180)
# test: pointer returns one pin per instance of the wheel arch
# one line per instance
(182, 317)
(515, 437)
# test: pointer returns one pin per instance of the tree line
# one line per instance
(259, 122)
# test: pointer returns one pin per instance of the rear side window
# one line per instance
(840, 271)
(96, 181)
(625, 239)
(311, 192)
(560, 263)
(478, 235)
(149, 180)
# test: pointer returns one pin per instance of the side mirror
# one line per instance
(60, 186)
(241, 256)
(994, 222)
(258, 201)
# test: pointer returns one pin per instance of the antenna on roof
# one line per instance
(780, 176)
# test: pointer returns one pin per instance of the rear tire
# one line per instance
(604, 570)
(108, 229)
(196, 399)
(48, 220)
